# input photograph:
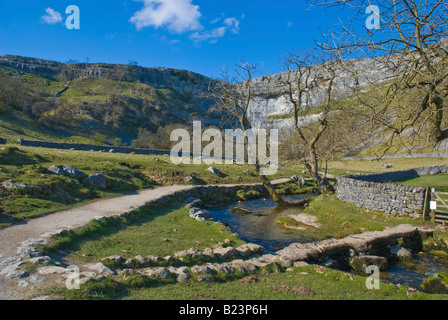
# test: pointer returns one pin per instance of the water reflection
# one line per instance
(260, 227)
(412, 273)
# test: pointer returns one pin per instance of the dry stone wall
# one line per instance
(377, 192)
(90, 147)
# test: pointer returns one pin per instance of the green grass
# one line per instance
(438, 181)
(338, 219)
(160, 232)
(340, 167)
(326, 284)
(125, 173)
(146, 232)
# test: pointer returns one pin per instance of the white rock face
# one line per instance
(271, 108)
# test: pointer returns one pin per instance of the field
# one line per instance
(124, 172)
(166, 230)
(439, 182)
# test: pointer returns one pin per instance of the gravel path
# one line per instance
(12, 237)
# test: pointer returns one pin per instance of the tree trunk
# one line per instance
(436, 134)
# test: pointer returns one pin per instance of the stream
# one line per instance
(260, 227)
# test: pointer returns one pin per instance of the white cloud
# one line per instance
(213, 35)
(52, 16)
(178, 16)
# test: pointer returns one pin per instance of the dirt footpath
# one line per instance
(13, 237)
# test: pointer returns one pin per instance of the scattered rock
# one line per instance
(41, 260)
(10, 260)
(208, 253)
(12, 185)
(199, 214)
(161, 273)
(35, 242)
(402, 254)
(55, 169)
(101, 269)
(72, 172)
(359, 264)
(215, 171)
(299, 180)
(130, 263)
(193, 203)
(192, 252)
(28, 252)
(305, 219)
(11, 268)
(225, 252)
(115, 260)
(244, 266)
(17, 274)
(97, 180)
(155, 259)
(141, 260)
(201, 269)
(51, 270)
(170, 260)
(249, 249)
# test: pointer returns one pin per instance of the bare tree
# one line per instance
(236, 99)
(408, 42)
(310, 74)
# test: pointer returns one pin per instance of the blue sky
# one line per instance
(203, 36)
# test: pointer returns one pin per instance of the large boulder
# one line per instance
(299, 180)
(225, 252)
(72, 172)
(97, 180)
(215, 171)
(55, 169)
(402, 254)
(435, 283)
(12, 185)
(359, 264)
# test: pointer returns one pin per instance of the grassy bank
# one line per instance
(164, 231)
(302, 283)
(124, 172)
(159, 232)
(338, 219)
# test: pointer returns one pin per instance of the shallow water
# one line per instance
(412, 273)
(260, 227)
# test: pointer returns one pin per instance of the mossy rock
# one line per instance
(245, 195)
(359, 264)
(436, 283)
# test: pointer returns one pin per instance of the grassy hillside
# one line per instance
(35, 107)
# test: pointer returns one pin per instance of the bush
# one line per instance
(117, 142)
(3, 107)
(99, 138)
